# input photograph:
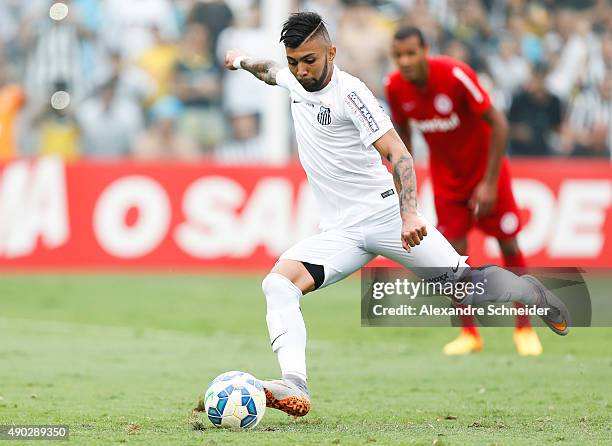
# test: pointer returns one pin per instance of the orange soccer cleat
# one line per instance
(284, 395)
(464, 344)
(527, 342)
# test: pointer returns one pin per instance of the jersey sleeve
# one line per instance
(366, 113)
(283, 78)
(477, 97)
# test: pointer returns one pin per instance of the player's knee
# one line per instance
(297, 273)
(280, 291)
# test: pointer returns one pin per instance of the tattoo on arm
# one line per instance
(405, 182)
(264, 70)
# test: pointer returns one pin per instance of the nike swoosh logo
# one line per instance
(297, 102)
(455, 269)
(272, 343)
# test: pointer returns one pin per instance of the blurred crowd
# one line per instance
(144, 79)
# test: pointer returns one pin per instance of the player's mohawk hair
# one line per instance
(300, 27)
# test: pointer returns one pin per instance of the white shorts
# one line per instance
(341, 252)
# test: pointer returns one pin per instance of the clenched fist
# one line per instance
(413, 231)
(231, 56)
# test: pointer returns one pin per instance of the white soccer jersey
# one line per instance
(335, 128)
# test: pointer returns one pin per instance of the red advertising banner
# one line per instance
(178, 217)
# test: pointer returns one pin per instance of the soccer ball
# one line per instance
(235, 400)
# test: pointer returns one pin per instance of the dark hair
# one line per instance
(409, 31)
(301, 26)
(540, 68)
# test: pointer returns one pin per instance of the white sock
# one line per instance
(286, 324)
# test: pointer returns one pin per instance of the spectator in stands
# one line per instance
(197, 83)
(368, 58)
(158, 61)
(472, 26)
(55, 52)
(578, 61)
(534, 117)
(530, 44)
(109, 123)
(244, 146)
(58, 131)
(601, 57)
(101, 39)
(588, 128)
(129, 25)
(213, 15)
(508, 68)
(12, 100)
(161, 141)
(331, 10)
(14, 17)
(425, 18)
(132, 81)
(458, 50)
(242, 93)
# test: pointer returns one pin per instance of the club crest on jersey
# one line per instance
(324, 116)
(443, 104)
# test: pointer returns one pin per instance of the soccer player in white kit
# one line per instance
(342, 132)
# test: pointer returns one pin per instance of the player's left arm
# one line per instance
(484, 196)
(391, 147)
(401, 123)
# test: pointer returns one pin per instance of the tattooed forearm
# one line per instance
(264, 70)
(405, 182)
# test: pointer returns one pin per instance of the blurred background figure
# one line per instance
(160, 48)
(213, 15)
(161, 139)
(588, 129)
(242, 93)
(508, 68)
(244, 144)
(196, 82)
(57, 128)
(58, 48)
(109, 122)
(12, 100)
(130, 27)
(365, 58)
(535, 117)
(158, 62)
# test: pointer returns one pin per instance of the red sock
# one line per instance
(518, 261)
(468, 324)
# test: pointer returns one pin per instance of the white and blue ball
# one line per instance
(235, 400)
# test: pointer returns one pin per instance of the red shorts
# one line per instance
(455, 218)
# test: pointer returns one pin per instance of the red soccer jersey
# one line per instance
(448, 111)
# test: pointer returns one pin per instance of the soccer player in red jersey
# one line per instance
(466, 136)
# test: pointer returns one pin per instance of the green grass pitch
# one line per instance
(123, 359)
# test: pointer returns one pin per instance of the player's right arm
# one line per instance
(392, 148)
(264, 70)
